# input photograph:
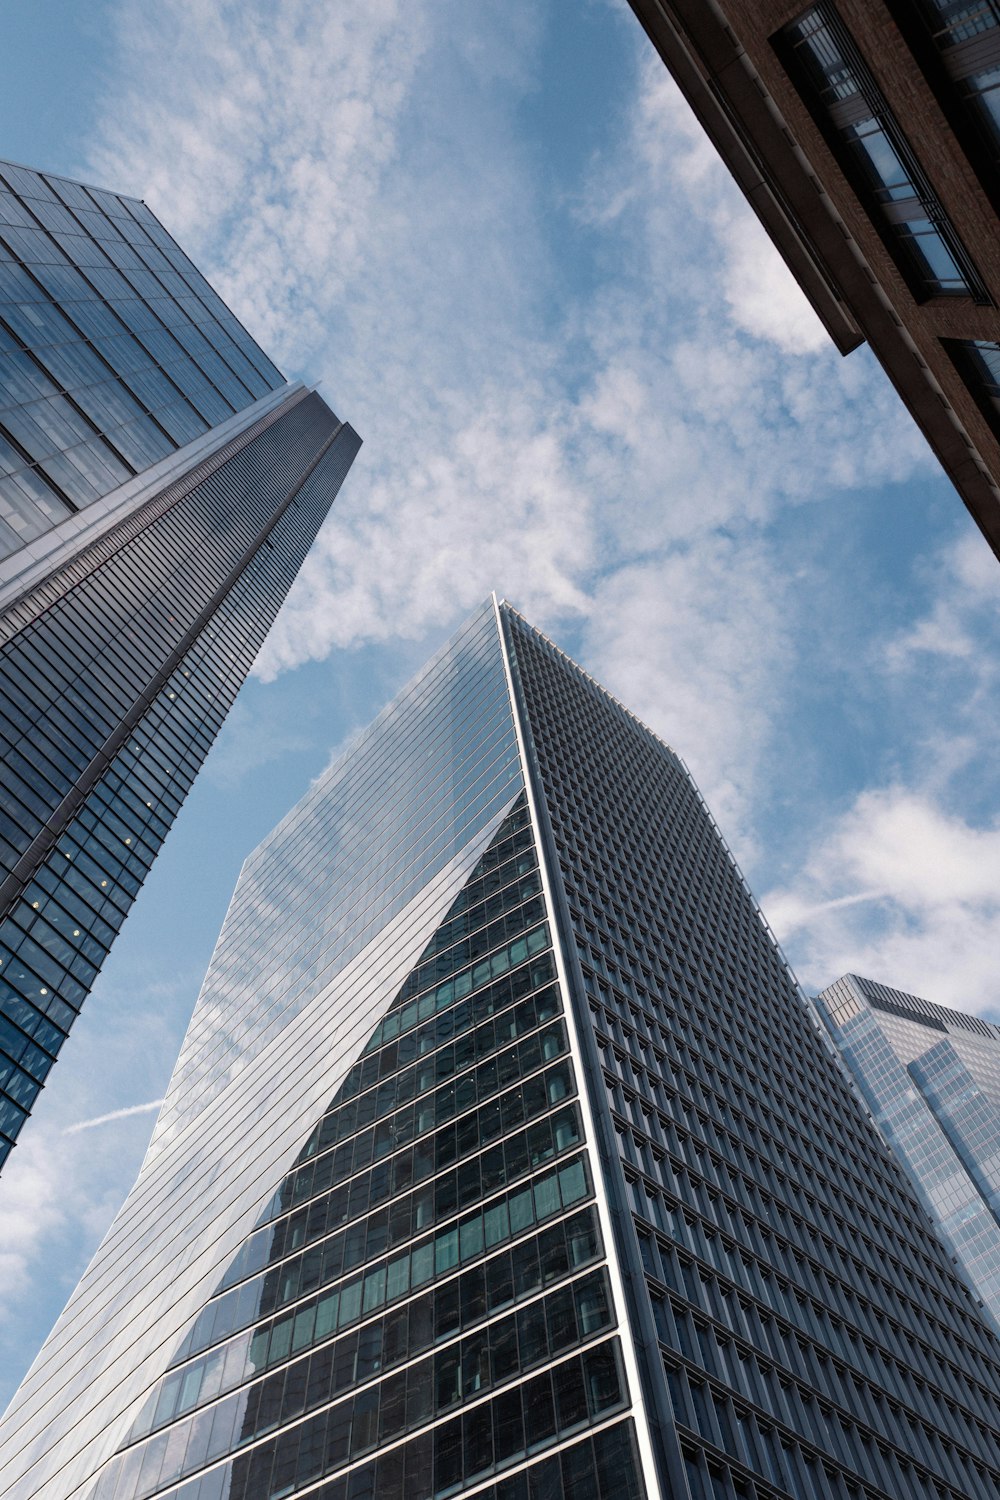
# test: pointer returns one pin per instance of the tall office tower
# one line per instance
(503, 1158)
(866, 137)
(931, 1078)
(160, 484)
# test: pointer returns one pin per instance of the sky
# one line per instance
(495, 236)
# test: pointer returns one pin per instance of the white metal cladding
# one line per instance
(573, 1007)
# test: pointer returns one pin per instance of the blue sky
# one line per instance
(583, 378)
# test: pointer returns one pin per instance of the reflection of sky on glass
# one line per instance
(424, 779)
(930, 1079)
(332, 912)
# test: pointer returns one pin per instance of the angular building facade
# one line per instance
(931, 1078)
(865, 135)
(160, 484)
(504, 1158)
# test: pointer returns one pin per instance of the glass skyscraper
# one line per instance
(503, 1158)
(160, 484)
(931, 1078)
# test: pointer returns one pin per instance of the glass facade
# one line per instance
(430, 1249)
(120, 659)
(931, 1078)
(523, 1168)
(114, 350)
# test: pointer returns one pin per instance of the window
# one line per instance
(978, 362)
(966, 34)
(876, 157)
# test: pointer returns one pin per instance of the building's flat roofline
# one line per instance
(92, 187)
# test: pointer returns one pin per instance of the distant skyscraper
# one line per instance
(866, 137)
(931, 1078)
(503, 1158)
(160, 484)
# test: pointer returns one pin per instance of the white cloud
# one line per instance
(358, 186)
(763, 296)
(903, 891)
(61, 1187)
(966, 592)
(902, 882)
(695, 643)
(34, 1212)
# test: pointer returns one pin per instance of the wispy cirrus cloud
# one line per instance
(582, 410)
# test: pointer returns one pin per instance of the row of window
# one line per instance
(38, 988)
(809, 1258)
(966, 34)
(877, 156)
(602, 1467)
(400, 1022)
(438, 1312)
(483, 900)
(401, 1090)
(535, 1096)
(523, 1419)
(461, 954)
(436, 1255)
(727, 1133)
(785, 1375)
(392, 1178)
(469, 1015)
(466, 1020)
(843, 1451)
(708, 1024)
(386, 1228)
(645, 1023)
(41, 982)
(816, 1304)
(499, 1352)
(501, 1063)
(352, 1155)
(969, 40)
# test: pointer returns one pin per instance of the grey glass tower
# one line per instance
(504, 1159)
(160, 484)
(931, 1078)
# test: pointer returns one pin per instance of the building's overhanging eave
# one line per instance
(746, 127)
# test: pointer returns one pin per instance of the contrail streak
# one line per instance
(116, 1114)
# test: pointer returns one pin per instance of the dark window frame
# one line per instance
(887, 212)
